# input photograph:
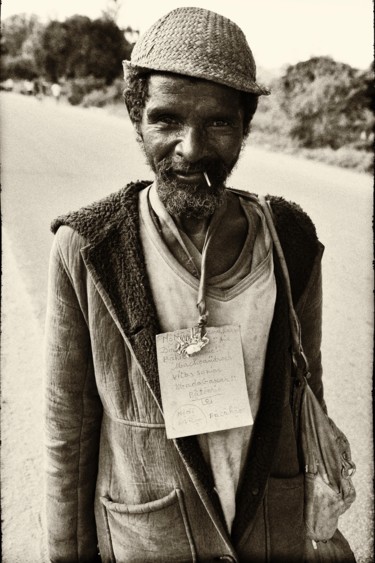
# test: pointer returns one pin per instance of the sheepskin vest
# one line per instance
(112, 231)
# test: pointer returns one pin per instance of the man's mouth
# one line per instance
(190, 177)
(207, 173)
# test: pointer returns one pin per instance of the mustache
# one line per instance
(213, 167)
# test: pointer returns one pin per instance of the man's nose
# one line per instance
(192, 145)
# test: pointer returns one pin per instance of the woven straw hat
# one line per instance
(197, 42)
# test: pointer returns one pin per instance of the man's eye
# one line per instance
(167, 120)
(220, 123)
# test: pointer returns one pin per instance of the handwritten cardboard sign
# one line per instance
(206, 392)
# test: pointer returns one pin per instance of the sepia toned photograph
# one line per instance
(187, 281)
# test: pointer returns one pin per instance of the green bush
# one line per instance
(21, 67)
(327, 103)
(78, 88)
(345, 157)
(109, 95)
(79, 47)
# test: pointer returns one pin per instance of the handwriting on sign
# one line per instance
(206, 392)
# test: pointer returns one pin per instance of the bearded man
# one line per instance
(169, 427)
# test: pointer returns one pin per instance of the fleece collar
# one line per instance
(114, 251)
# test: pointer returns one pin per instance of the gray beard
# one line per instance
(190, 201)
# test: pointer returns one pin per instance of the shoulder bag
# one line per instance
(323, 448)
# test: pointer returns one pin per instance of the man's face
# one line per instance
(189, 127)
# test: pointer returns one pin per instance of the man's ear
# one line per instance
(137, 127)
(138, 131)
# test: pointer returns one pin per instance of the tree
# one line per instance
(32, 48)
(108, 48)
(55, 47)
(20, 33)
(112, 10)
(325, 102)
(73, 49)
(15, 30)
(80, 47)
(77, 53)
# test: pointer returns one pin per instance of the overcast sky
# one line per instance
(279, 31)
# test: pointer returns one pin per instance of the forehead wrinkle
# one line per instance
(173, 84)
(180, 94)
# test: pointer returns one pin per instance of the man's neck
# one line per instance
(195, 229)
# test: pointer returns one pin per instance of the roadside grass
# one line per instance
(270, 129)
(344, 157)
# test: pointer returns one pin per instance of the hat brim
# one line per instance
(246, 85)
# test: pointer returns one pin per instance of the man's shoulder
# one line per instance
(298, 238)
(289, 217)
(93, 221)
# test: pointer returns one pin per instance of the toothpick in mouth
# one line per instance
(207, 179)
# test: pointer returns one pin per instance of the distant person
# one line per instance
(56, 91)
(28, 87)
(8, 85)
(169, 428)
(38, 91)
(44, 87)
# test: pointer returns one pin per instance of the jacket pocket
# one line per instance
(284, 516)
(154, 531)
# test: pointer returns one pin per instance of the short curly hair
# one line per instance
(136, 95)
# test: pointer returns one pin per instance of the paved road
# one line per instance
(57, 158)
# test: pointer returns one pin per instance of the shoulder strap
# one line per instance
(245, 195)
(298, 354)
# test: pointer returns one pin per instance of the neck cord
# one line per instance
(201, 300)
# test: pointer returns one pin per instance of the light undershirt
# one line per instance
(244, 295)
